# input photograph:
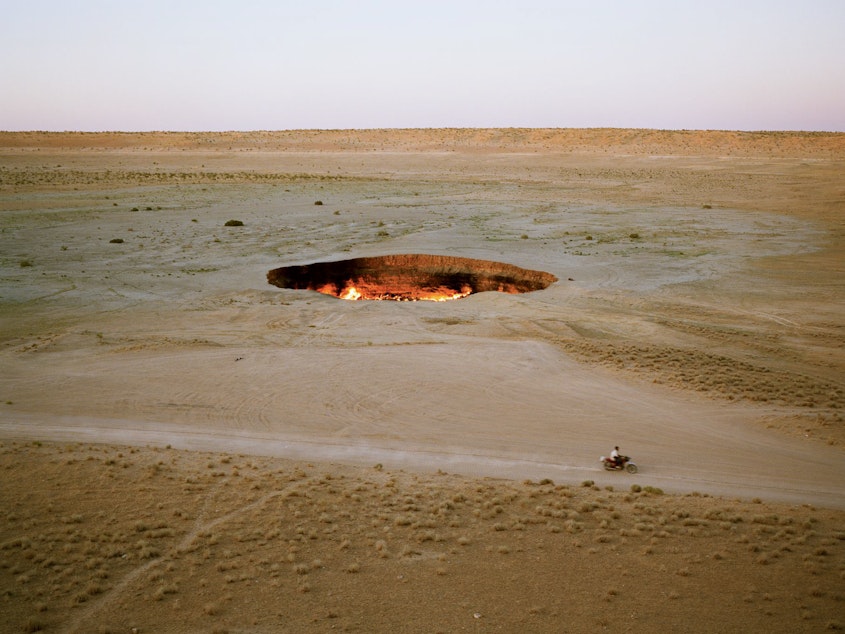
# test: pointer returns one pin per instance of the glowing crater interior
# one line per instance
(409, 277)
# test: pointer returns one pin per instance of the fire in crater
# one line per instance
(409, 277)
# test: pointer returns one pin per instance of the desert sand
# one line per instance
(188, 448)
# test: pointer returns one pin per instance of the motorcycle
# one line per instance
(624, 464)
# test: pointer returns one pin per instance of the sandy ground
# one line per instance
(698, 323)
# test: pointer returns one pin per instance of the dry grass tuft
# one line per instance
(309, 536)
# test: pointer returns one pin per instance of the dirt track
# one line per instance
(697, 322)
(686, 314)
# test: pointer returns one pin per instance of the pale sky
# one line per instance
(291, 64)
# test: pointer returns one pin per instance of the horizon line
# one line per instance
(411, 128)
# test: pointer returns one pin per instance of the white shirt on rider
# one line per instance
(614, 455)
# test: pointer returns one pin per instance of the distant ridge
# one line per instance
(568, 140)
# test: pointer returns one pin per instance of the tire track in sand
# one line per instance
(85, 621)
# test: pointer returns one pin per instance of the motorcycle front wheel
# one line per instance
(631, 467)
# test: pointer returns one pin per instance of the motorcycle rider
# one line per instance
(616, 456)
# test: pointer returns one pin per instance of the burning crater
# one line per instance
(409, 278)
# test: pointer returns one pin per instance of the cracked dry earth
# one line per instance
(187, 448)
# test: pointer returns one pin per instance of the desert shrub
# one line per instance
(771, 520)
(116, 241)
(587, 483)
(148, 552)
(25, 263)
(33, 625)
(234, 223)
(318, 202)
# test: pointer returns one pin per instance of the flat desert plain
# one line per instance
(187, 448)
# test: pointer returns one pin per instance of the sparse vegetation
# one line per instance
(331, 525)
(120, 539)
(234, 223)
(718, 374)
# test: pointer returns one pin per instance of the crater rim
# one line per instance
(409, 277)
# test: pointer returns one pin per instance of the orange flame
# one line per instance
(361, 290)
(351, 293)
